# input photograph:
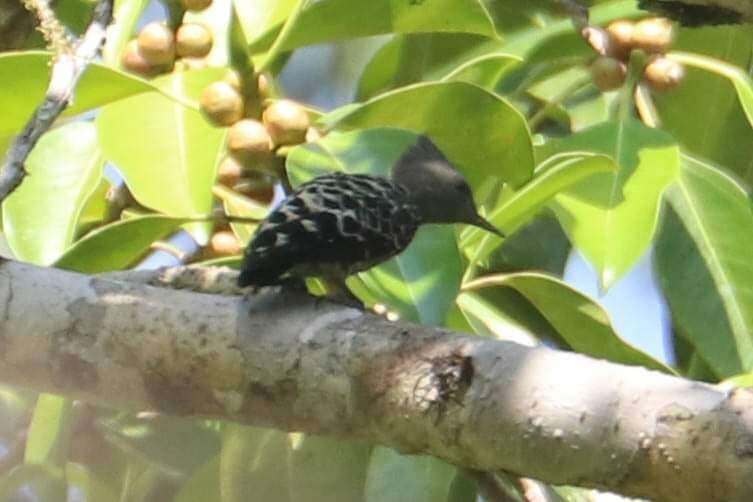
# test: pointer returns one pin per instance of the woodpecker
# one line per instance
(339, 224)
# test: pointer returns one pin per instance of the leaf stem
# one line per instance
(567, 92)
(282, 37)
(635, 68)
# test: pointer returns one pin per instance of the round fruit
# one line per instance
(193, 40)
(608, 73)
(287, 122)
(257, 186)
(222, 103)
(233, 78)
(195, 4)
(653, 34)
(249, 142)
(229, 173)
(224, 243)
(157, 44)
(134, 62)
(663, 73)
(621, 35)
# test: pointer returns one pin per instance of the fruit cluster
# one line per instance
(157, 47)
(260, 127)
(652, 35)
(255, 144)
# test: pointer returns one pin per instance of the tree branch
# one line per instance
(284, 360)
(66, 71)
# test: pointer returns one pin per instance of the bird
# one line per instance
(338, 224)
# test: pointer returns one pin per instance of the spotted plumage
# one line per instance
(334, 225)
(339, 224)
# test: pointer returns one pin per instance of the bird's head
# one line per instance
(439, 191)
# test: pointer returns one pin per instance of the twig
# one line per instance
(577, 11)
(535, 491)
(489, 487)
(66, 71)
(282, 37)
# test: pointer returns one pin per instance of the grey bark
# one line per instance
(286, 361)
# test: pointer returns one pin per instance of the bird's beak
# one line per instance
(482, 223)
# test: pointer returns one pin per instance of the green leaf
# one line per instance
(612, 217)
(327, 469)
(40, 480)
(50, 433)
(185, 88)
(484, 71)
(238, 205)
(25, 77)
(550, 88)
(421, 282)
(415, 57)
(581, 323)
(696, 307)
(40, 217)
(87, 483)
(204, 483)
(481, 133)
(370, 151)
(47, 446)
(74, 14)
(333, 20)
(552, 177)
(539, 245)
(505, 314)
(738, 77)
(167, 153)
(14, 407)
(96, 208)
(260, 16)
(462, 489)
(707, 281)
(570, 93)
(393, 477)
(177, 446)
(117, 245)
(254, 460)
(719, 130)
(744, 380)
(547, 39)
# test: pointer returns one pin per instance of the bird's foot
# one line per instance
(338, 292)
(346, 298)
(293, 284)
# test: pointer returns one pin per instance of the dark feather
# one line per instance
(422, 151)
(332, 226)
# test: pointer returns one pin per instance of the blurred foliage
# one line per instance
(504, 88)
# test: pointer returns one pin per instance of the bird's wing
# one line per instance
(334, 225)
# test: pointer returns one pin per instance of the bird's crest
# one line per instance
(422, 151)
